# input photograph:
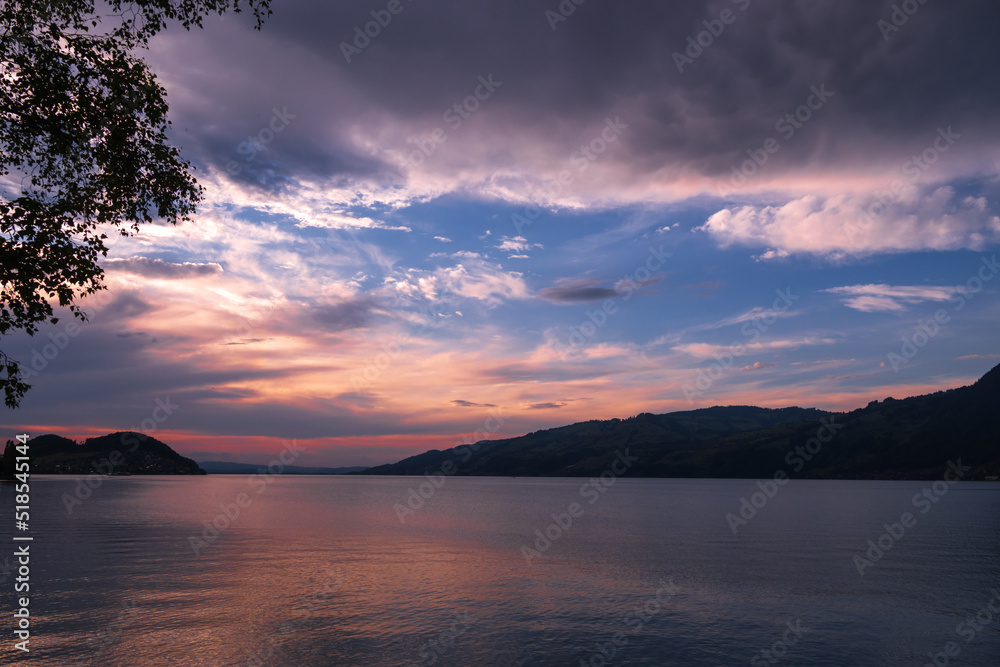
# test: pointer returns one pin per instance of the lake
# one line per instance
(320, 570)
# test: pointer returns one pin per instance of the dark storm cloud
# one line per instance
(157, 268)
(546, 406)
(274, 161)
(360, 399)
(577, 291)
(352, 314)
(888, 95)
(469, 404)
(123, 305)
(247, 341)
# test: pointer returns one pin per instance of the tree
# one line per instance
(83, 148)
(7, 467)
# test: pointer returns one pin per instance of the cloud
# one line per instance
(772, 254)
(978, 356)
(712, 350)
(469, 404)
(124, 305)
(474, 279)
(158, 268)
(573, 291)
(756, 366)
(331, 219)
(317, 318)
(361, 399)
(747, 316)
(484, 282)
(889, 298)
(351, 314)
(461, 254)
(516, 243)
(685, 132)
(841, 226)
(246, 341)
(625, 284)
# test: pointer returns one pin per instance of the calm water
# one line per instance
(320, 571)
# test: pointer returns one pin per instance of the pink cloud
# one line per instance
(848, 225)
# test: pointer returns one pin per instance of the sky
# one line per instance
(484, 219)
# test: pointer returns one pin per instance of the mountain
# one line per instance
(120, 453)
(912, 438)
(227, 468)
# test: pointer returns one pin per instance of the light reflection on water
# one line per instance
(320, 571)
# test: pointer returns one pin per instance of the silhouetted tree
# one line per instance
(7, 466)
(83, 148)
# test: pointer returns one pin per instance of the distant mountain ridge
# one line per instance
(230, 468)
(911, 438)
(121, 453)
